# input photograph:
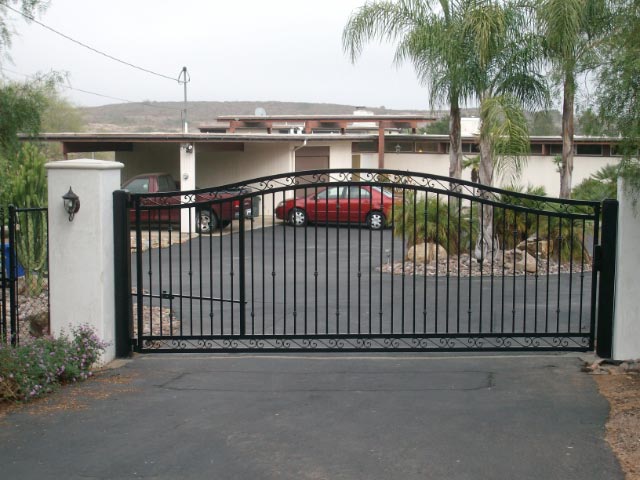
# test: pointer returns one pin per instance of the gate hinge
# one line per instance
(597, 258)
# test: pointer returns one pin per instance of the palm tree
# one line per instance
(506, 54)
(572, 30)
(429, 33)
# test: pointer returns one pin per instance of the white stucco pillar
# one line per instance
(187, 182)
(81, 265)
(626, 325)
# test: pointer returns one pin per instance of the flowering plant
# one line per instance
(39, 366)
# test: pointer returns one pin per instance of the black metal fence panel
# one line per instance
(24, 310)
(362, 260)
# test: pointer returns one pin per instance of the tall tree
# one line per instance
(572, 31)
(429, 34)
(619, 86)
(506, 54)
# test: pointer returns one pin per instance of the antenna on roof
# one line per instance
(260, 112)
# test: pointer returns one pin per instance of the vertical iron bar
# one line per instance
(535, 311)
(232, 272)
(594, 274)
(471, 260)
(583, 251)
(560, 240)
(392, 248)
(139, 277)
(349, 260)
(607, 264)
(338, 213)
(315, 257)
(3, 279)
(459, 250)
(13, 277)
(524, 274)
(284, 269)
(549, 245)
(415, 233)
(242, 270)
(424, 263)
(122, 271)
(437, 259)
(571, 233)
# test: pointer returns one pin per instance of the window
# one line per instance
(555, 149)
(139, 185)
(470, 148)
(427, 147)
(331, 192)
(536, 149)
(398, 147)
(365, 147)
(166, 184)
(589, 149)
(355, 193)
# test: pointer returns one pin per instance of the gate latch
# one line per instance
(167, 296)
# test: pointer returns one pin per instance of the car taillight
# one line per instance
(236, 204)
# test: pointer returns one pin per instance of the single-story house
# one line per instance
(239, 148)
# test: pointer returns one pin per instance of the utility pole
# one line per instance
(184, 79)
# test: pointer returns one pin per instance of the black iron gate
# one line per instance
(357, 260)
(24, 273)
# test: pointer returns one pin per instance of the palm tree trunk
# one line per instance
(566, 169)
(484, 245)
(455, 140)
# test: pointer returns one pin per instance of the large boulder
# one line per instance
(426, 253)
(520, 261)
(534, 245)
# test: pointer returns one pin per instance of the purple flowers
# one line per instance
(39, 366)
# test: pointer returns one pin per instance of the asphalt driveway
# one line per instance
(318, 417)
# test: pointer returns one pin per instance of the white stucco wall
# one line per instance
(81, 273)
(626, 324)
(540, 170)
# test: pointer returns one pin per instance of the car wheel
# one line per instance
(375, 220)
(207, 221)
(298, 217)
(225, 223)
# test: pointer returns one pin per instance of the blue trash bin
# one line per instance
(7, 253)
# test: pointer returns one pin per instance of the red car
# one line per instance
(366, 204)
(210, 214)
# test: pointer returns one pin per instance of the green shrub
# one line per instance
(511, 226)
(39, 366)
(602, 184)
(434, 220)
(564, 235)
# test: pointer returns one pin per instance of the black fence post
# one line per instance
(3, 280)
(13, 277)
(122, 271)
(606, 294)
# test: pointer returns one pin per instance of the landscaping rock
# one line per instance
(426, 252)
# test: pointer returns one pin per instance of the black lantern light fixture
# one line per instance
(71, 203)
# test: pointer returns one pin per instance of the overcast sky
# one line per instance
(283, 50)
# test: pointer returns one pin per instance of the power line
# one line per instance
(111, 57)
(3, 69)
